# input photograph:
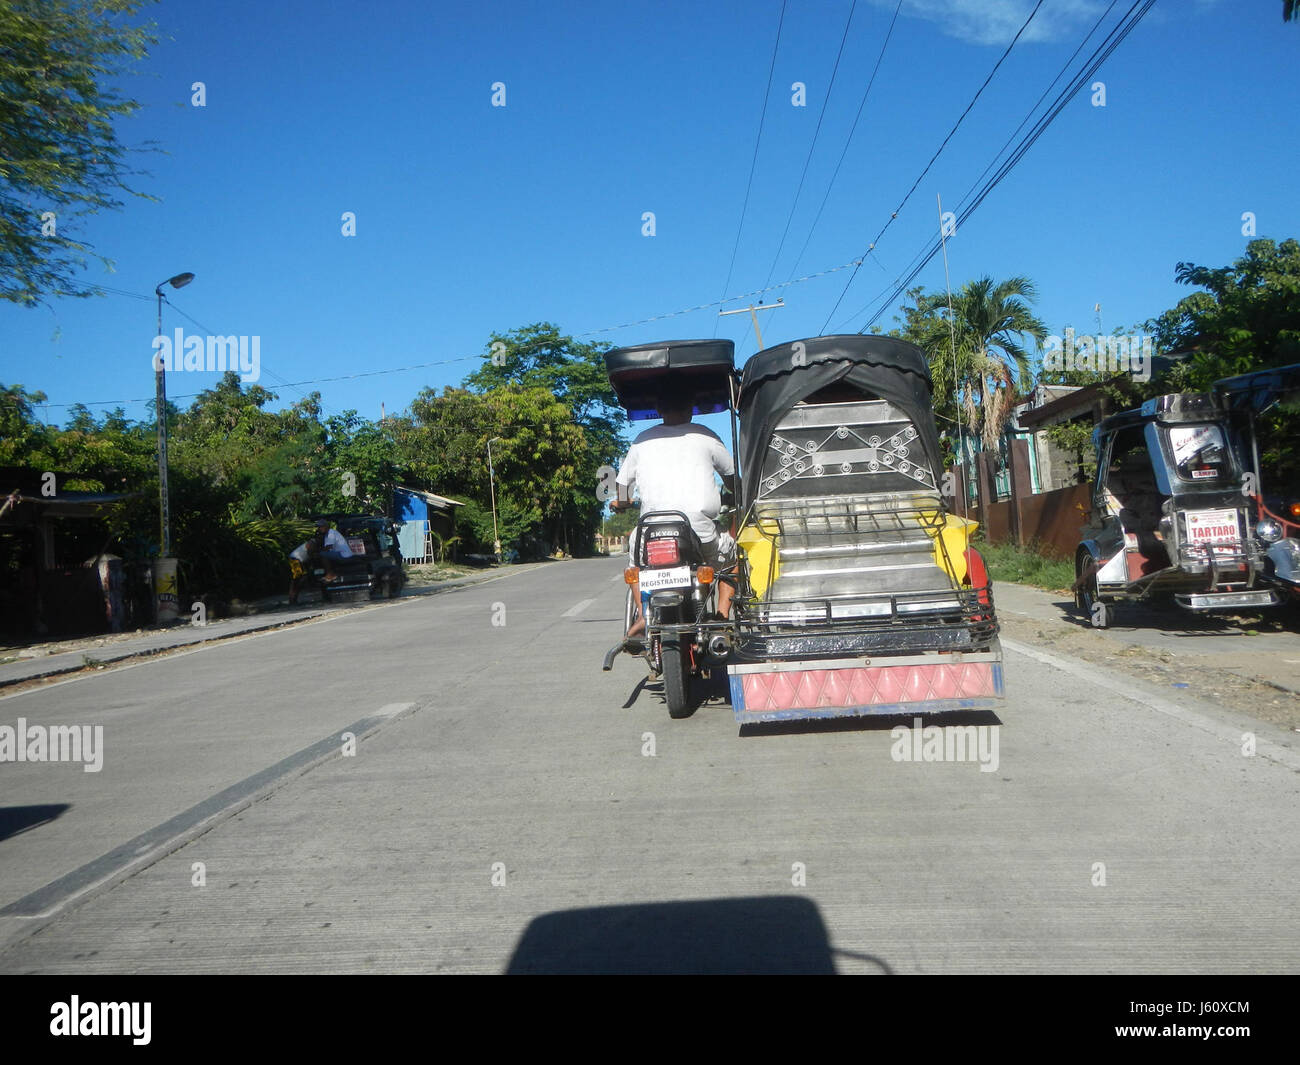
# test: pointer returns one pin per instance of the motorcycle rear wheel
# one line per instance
(677, 677)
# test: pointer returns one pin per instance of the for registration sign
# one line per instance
(658, 580)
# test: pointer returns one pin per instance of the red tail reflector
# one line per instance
(662, 552)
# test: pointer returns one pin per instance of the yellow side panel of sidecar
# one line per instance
(759, 541)
(953, 533)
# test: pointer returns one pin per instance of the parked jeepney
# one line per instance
(1176, 507)
(859, 592)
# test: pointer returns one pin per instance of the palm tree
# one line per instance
(977, 353)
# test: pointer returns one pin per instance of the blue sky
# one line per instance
(472, 218)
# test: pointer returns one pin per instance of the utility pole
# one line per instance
(492, 486)
(952, 340)
(751, 309)
(166, 606)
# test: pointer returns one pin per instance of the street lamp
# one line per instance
(165, 574)
(496, 536)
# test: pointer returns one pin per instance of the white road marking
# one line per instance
(393, 709)
(577, 608)
(1263, 748)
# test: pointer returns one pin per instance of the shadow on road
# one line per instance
(772, 934)
(18, 819)
(1173, 620)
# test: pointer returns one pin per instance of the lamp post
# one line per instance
(165, 602)
(496, 536)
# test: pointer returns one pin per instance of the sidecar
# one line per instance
(860, 594)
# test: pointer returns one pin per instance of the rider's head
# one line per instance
(675, 408)
(323, 526)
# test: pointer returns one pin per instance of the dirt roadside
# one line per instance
(1195, 676)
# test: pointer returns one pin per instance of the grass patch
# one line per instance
(433, 572)
(1022, 565)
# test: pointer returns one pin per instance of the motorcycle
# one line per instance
(684, 637)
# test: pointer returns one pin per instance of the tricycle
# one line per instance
(857, 592)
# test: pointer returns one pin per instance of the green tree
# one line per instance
(541, 456)
(24, 438)
(539, 356)
(60, 159)
(1248, 317)
(977, 352)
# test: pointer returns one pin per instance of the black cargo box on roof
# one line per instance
(702, 369)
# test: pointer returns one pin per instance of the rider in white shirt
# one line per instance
(333, 547)
(672, 466)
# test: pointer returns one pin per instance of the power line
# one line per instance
(262, 367)
(1127, 23)
(1028, 115)
(849, 140)
(762, 118)
(938, 152)
(830, 87)
(480, 356)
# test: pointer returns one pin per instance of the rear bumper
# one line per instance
(782, 691)
(1228, 600)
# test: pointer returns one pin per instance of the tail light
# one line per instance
(662, 552)
(977, 575)
(1295, 510)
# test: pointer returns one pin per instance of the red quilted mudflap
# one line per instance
(760, 693)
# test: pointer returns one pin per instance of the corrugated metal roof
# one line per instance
(430, 497)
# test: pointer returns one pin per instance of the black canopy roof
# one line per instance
(777, 378)
(1259, 390)
(701, 369)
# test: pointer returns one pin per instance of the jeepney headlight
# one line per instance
(1269, 531)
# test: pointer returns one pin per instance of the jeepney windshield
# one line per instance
(1200, 453)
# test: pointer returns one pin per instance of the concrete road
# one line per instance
(452, 784)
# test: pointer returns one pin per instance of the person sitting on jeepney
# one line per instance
(328, 546)
(333, 548)
(672, 467)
